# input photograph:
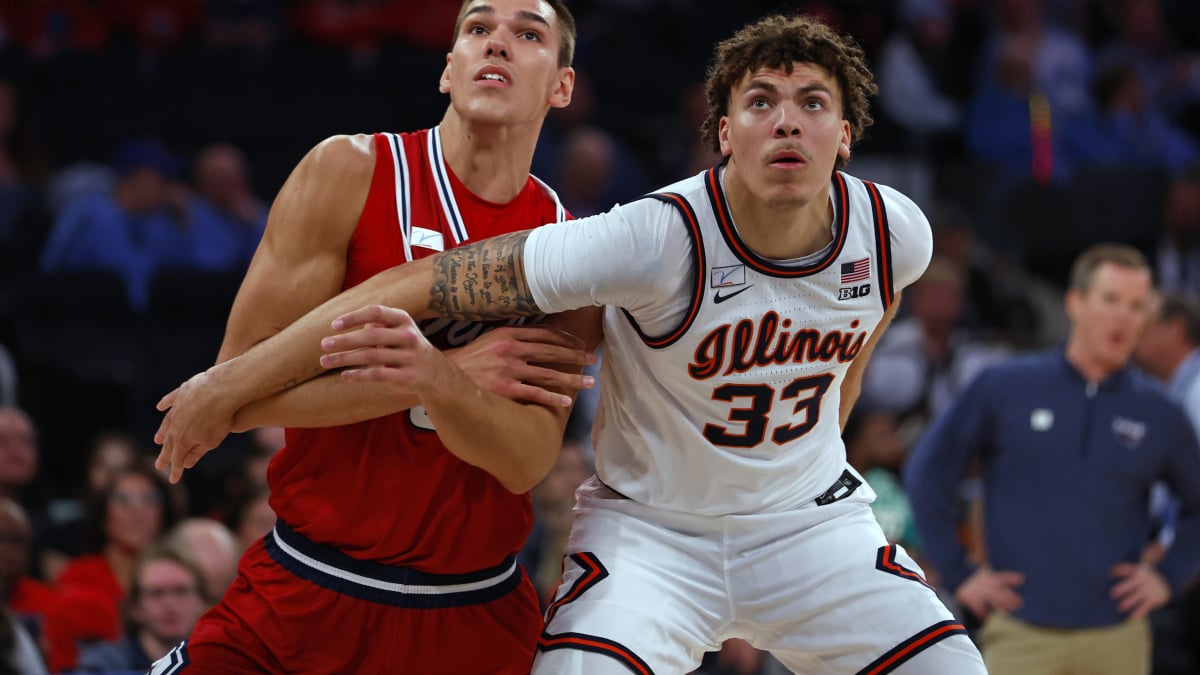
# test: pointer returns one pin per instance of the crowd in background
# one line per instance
(141, 140)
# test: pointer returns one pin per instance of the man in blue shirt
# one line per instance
(1068, 442)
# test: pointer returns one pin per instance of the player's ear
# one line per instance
(444, 82)
(560, 96)
(844, 143)
(723, 136)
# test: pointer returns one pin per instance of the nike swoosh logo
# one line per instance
(718, 298)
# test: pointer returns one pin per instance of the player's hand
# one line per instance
(383, 344)
(987, 590)
(508, 362)
(1140, 590)
(198, 418)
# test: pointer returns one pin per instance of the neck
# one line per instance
(120, 562)
(779, 231)
(1092, 369)
(492, 160)
(1172, 361)
(153, 646)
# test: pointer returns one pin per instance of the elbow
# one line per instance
(519, 482)
(521, 477)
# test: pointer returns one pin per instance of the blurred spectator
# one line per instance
(680, 150)
(1169, 75)
(225, 219)
(253, 24)
(210, 545)
(45, 28)
(875, 450)
(251, 518)
(1170, 350)
(28, 601)
(1132, 132)
(1069, 442)
(165, 598)
(124, 519)
(1016, 127)
(22, 177)
(109, 454)
(1058, 59)
(925, 359)
(18, 453)
(1178, 260)
(909, 90)
(129, 231)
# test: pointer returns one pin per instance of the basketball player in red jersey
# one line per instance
(395, 548)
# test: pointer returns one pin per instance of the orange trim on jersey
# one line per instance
(913, 646)
(725, 220)
(594, 573)
(689, 217)
(886, 561)
(598, 645)
(883, 246)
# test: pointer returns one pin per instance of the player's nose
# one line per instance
(787, 121)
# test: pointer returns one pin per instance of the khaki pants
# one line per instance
(1013, 647)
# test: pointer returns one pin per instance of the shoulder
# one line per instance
(341, 154)
(1019, 372)
(909, 234)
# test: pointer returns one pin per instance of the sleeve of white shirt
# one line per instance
(912, 240)
(636, 256)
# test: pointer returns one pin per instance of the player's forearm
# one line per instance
(325, 401)
(292, 356)
(479, 281)
(515, 442)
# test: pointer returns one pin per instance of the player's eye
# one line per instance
(531, 35)
(760, 102)
(477, 30)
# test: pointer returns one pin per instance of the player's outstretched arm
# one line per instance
(482, 280)
(300, 262)
(504, 361)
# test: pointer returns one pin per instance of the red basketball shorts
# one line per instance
(299, 607)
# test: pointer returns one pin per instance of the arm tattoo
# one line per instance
(483, 281)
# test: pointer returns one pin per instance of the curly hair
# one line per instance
(780, 42)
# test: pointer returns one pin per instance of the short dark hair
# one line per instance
(1184, 307)
(566, 29)
(1121, 255)
(779, 42)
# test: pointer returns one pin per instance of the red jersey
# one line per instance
(387, 490)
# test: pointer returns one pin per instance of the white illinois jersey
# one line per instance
(735, 409)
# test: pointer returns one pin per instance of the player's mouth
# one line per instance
(493, 76)
(787, 159)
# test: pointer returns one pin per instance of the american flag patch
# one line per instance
(856, 271)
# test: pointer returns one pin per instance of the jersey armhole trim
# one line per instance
(883, 246)
(693, 225)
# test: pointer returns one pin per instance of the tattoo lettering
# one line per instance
(483, 281)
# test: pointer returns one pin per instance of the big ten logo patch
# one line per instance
(851, 292)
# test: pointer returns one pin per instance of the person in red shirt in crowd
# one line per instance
(125, 518)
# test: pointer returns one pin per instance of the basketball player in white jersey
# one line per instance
(741, 306)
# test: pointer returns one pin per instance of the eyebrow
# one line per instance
(808, 89)
(522, 14)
